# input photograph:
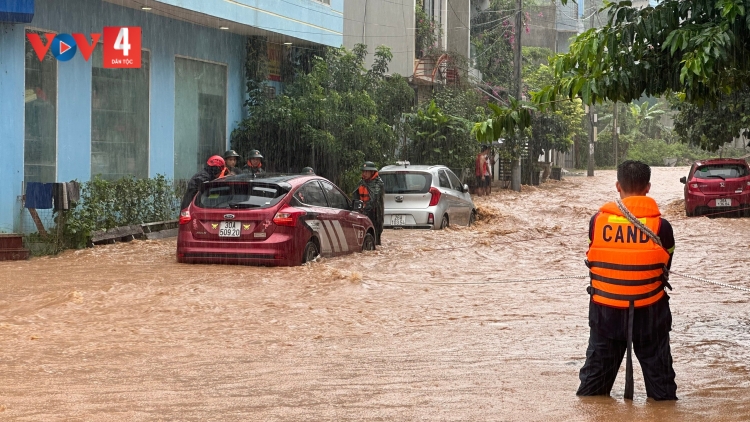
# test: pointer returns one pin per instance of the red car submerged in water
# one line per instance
(272, 220)
(720, 186)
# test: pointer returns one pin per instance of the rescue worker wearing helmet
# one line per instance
(370, 192)
(232, 159)
(308, 171)
(212, 170)
(254, 164)
(629, 257)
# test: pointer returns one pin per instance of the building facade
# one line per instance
(392, 23)
(76, 119)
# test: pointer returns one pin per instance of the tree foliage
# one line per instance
(698, 48)
(492, 35)
(332, 118)
(710, 127)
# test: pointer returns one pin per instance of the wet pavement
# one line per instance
(123, 332)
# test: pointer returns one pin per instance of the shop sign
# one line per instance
(122, 46)
(275, 53)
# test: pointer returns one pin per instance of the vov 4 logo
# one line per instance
(122, 46)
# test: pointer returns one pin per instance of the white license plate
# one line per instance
(229, 229)
(723, 202)
(398, 220)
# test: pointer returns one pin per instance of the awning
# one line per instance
(16, 11)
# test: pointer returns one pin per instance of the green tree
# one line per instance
(332, 118)
(696, 49)
(492, 35)
(699, 48)
(711, 126)
(439, 138)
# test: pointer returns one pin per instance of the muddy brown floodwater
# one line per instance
(123, 332)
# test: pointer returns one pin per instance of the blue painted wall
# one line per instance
(304, 19)
(164, 37)
(11, 123)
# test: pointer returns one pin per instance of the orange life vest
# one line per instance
(625, 264)
(364, 192)
(224, 173)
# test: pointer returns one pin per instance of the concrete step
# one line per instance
(14, 254)
(11, 241)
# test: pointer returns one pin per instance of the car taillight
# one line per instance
(185, 216)
(287, 217)
(430, 218)
(435, 196)
(693, 186)
(748, 182)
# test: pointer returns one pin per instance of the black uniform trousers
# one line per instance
(604, 357)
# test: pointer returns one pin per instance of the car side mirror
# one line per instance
(465, 188)
(683, 180)
(357, 205)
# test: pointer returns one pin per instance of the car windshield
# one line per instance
(721, 171)
(240, 195)
(406, 182)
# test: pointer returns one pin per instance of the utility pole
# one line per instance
(592, 120)
(515, 177)
(615, 133)
(592, 135)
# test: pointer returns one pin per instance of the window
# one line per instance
(443, 178)
(40, 129)
(721, 171)
(335, 197)
(119, 119)
(200, 114)
(406, 182)
(311, 194)
(454, 181)
(240, 195)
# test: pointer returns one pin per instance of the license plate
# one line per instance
(723, 202)
(398, 220)
(229, 229)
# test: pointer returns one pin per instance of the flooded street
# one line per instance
(123, 332)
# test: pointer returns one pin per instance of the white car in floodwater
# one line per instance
(425, 197)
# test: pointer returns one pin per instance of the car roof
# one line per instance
(417, 167)
(721, 161)
(287, 180)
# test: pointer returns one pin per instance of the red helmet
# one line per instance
(216, 161)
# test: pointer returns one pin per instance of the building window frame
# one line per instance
(226, 98)
(150, 101)
(26, 30)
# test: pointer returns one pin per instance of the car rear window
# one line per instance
(406, 182)
(721, 171)
(240, 195)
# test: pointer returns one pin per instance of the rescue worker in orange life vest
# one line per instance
(629, 272)
(212, 170)
(370, 192)
(254, 164)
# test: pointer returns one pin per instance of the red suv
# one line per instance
(284, 220)
(717, 186)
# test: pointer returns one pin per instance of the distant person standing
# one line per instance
(254, 164)
(490, 163)
(629, 257)
(308, 171)
(212, 170)
(370, 192)
(480, 170)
